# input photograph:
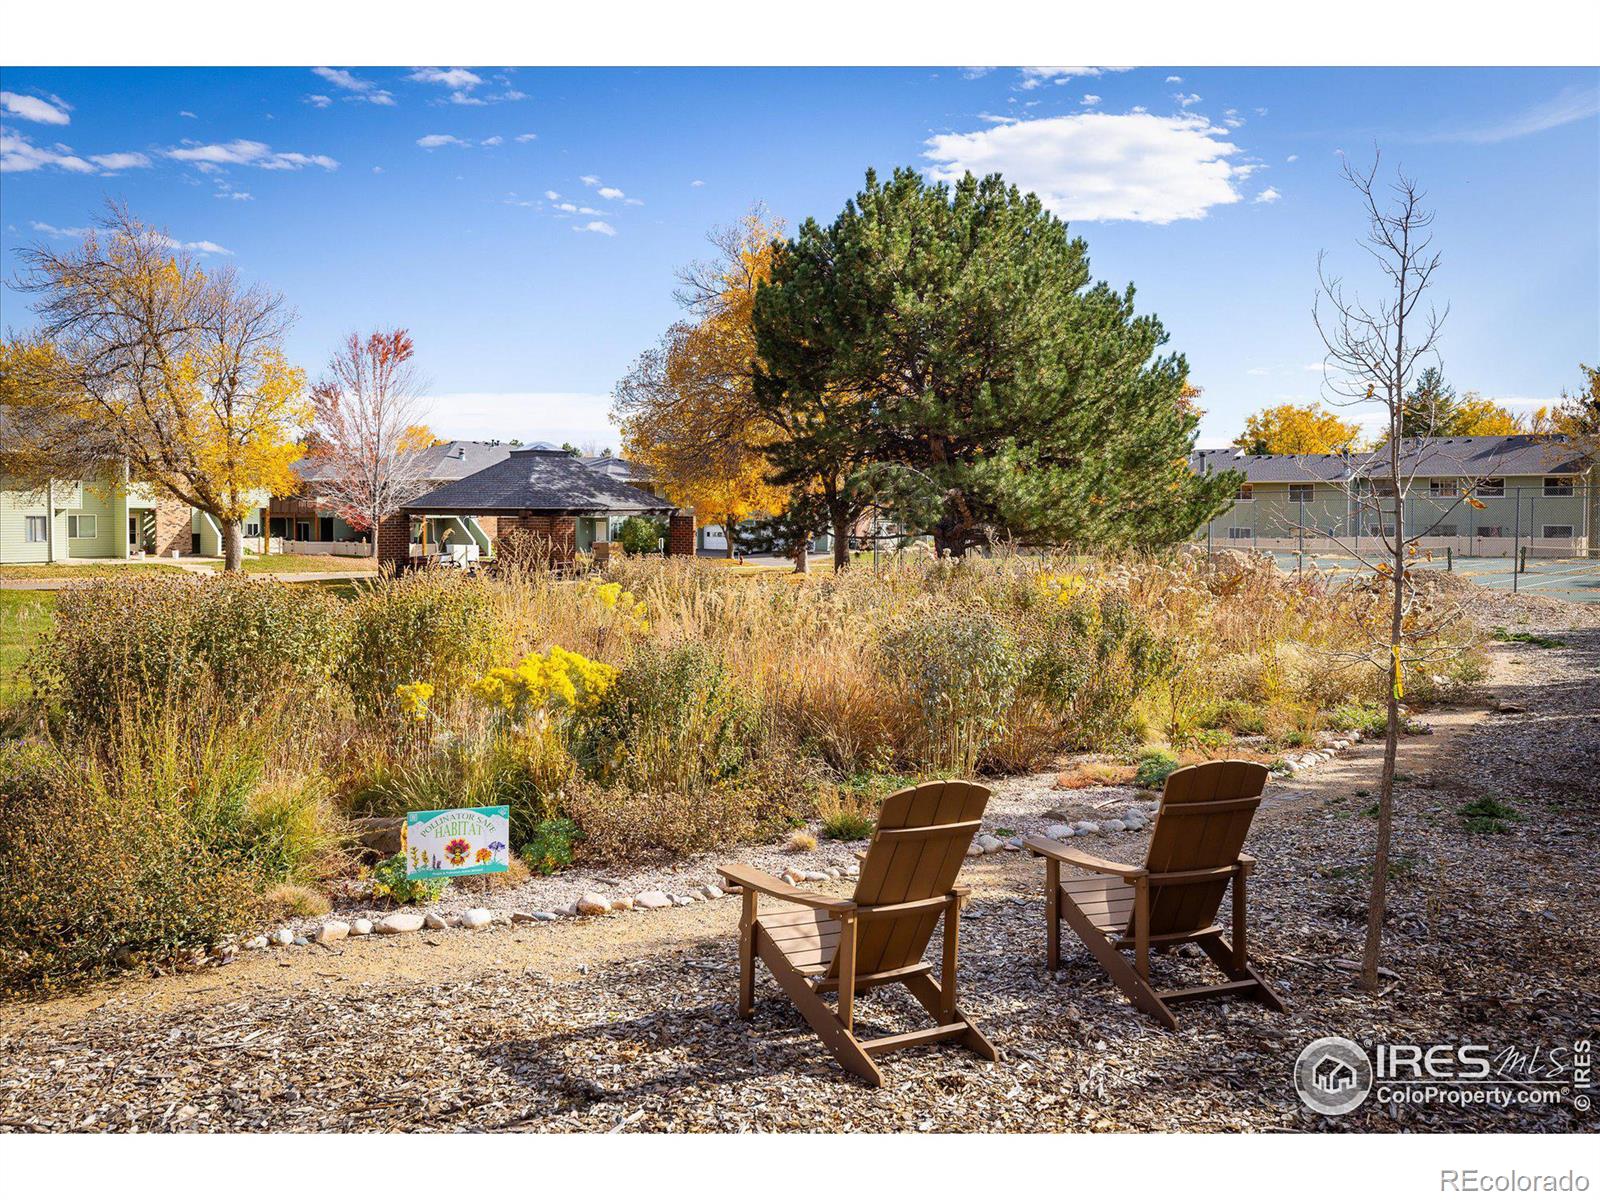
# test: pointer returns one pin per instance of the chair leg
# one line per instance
(931, 997)
(822, 1019)
(1052, 914)
(747, 956)
(1227, 959)
(1122, 974)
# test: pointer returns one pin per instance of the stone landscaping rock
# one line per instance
(682, 901)
(593, 904)
(1113, 826)
(476, 918)
(257, 943)
(653, 899)
(711, 892)
(399, 922)
(434, 921)
(988, 842)
(522, 918)
(546, 916)
(1082, 827)
(1057, 832)
(360, 927)
(284, 937)
(331, 931)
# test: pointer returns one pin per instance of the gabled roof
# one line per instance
(616, 468)
(438, 464)
(1428, 458)
(547, 482)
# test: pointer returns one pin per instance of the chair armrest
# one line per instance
(1247, 863)
(1046, 848)
(771, 885)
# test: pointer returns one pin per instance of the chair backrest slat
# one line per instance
(922, 835)
(1204, 818)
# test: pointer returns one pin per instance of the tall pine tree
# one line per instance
(1010, 395)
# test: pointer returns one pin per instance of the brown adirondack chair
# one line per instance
(1195, 852)
(815, 944)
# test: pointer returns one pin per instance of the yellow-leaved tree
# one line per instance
(1297, 429)
(179, 370)
(686, 409)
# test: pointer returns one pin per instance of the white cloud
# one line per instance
(80, 231)
(75, 231)
(234, 196)
(1292, 158)
(1174, 78)
(52, 111)
(377, 170)
(1572, 104)
(493, 141)
(125, 161)
(552, 195)
(1103, 167)
(17, 153)
(432, 141)
(319, 101)
(360, 89)
(1033, 77)
(581, 418)
(697, 183)
(245, 153)
(975, 72)
(527, 137)
(590, 180)
(1231, 118)
(634, 202)
(1259, 371)
(1267, 195)
(597, 227)
(184, 112)
(611, 193)
(1090, 98)
(1186, 101)
(996, 118)
(456, 78)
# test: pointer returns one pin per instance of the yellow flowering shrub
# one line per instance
(559, 679)
(413, 699)
(615, 599)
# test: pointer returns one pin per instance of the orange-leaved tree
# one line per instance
(179, 368)
(686, 409)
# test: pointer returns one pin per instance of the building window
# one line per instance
(1557, 531)
(1558, 485)
(1299, 492)
(1246, 492)
(1491, 487)
(1239, 535)
(1443, 487)
(302, 531)
(82, 525)
(1491, 531)
(37, 530)
(252, 529)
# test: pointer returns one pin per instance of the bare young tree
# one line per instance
(1373, 353)
(368, 428)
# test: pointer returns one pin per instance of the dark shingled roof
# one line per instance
(1429, 458)
(539, 481)
(438, 464)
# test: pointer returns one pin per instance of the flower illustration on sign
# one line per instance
(483, 855)
(456, 850)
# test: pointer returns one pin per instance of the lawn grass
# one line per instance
(305, 564)
(24, 617)
(90, 570)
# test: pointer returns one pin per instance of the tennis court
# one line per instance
(1575, 579)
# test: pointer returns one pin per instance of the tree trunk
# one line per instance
(1378, 899)
(729, 536)
(232, 545)
(802, 555)
(840, 517)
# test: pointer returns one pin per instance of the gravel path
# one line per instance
(627, 1022)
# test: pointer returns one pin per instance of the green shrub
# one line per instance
(1488, 815)
(99, 875)
(1097, 659)
(1154, 767)
(1370, 720)
(675, 721)
(549, 849)
(641, 535)
(389, 881)
(959, 672)
(145, 639)
(436, 627)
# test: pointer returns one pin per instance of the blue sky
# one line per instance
(525, 224)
